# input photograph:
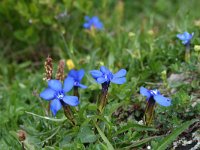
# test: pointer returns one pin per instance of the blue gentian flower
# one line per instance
(185, 37)
(57, 94)
(155, 94)
(77, 76)
(106, 76)
(92, 22)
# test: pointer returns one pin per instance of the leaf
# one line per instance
(111, 60)
(47, 118)
(134, 126)
(110, 147)
(86, 135)
(102, 118)
(138, 143)
(170, 138)
(113, 106)
(28, 35)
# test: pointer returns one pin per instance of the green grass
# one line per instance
(139, 36)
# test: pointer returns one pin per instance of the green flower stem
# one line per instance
(76, 93)
(103, 97)
(187, 52)
(140, 59)
(149, 111)
(68, 113)
(48, 109)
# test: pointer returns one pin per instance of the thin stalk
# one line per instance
(103, 97)
(149, 111)
(141, 61)
(45, 117)
(51, 136)
(76, 93)
(68, 113)
(187, 52)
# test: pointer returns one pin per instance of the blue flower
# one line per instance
(106, 76)
(57, 94)
(77, 76)
(185, 37)
(92, 22)
(155, 94)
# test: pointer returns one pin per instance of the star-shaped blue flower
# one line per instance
(57, 94)
(92, 22)
(77, 76)
(155, 94)
(185, 37)
(106, 76)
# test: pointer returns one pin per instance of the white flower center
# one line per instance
(106, 77)
(76, 83)
(60, 95)
(154, 92)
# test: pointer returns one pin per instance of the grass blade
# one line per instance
(138, 143)
(170, 138)
(45, 117)
(136, 127)
(109, 145)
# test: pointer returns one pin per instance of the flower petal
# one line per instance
(119, 80)
(95, 19)
(48, 94)
(55, 106)
(96, 22)
(55, 85)
(71, 100)
(96, 73)
(192, 34)
(80, 74)
(184, 42)
(73, 73)
(162, 100)
(145, 92)
(68, 84)
(82, 86)
(86, 25)
(99, 25)
(104, 70)
(120, 73)
(187, 35)
(87, 18)
(101, 80)
(155, 92)
(180, 36)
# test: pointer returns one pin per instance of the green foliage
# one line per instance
(109, 145)
(170, 138)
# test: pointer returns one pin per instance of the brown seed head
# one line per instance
(60, 72)
(48, 68)
(21, 135)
